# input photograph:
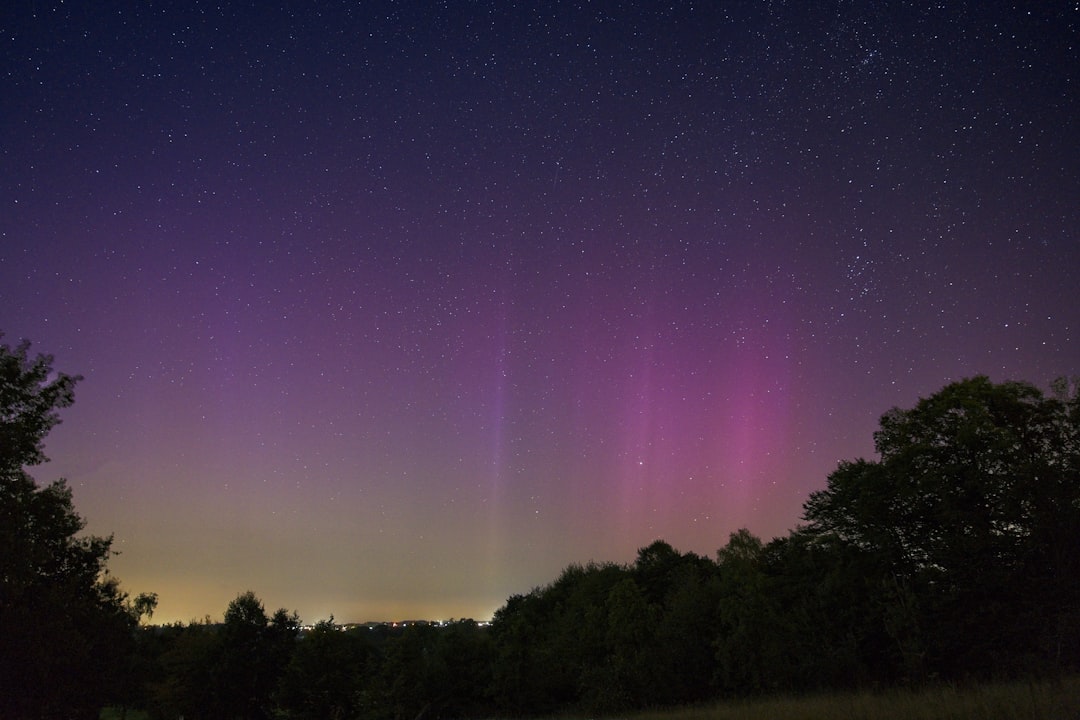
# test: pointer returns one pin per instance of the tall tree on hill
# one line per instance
(973, 514)
(67, 628)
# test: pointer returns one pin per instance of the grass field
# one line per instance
(115, 714)
(1040, 700)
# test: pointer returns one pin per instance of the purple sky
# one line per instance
(394, 309)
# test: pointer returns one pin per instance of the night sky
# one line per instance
(391, 310)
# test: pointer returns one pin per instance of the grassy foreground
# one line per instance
(1035, 700)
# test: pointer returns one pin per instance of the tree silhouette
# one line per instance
(54, 592)
(972, 515)
(252, 655)
(325, 677)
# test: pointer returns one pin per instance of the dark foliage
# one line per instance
(67, 629)
(966, 529)
(325, 676)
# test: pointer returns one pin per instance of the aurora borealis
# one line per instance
(393, 309)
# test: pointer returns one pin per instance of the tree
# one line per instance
(743, 645)
(973, 514)
(324, 679)
(622, 680)
(30, 398)
(786, 623)
(684, 667)
(54, 590)
(551, 644)
(681, 590)
(252, 655)
(182, 684)
(530, 675)
(434, 671)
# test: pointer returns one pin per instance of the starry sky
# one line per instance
(390, 310)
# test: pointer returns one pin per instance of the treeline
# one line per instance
(951, 556)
